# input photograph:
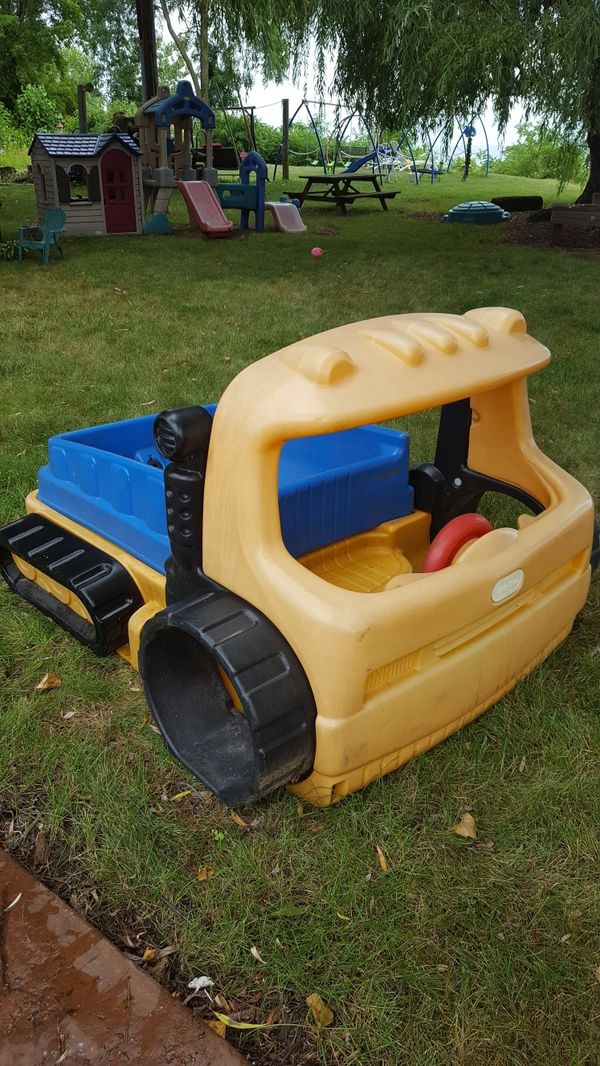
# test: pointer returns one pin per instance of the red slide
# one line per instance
(204, 208)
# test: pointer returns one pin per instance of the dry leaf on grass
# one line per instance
(231, 1022)
(68, 714)
(217, 1027)
(205, 873)
(320, 1011)
(49, 681)
(343, 917)
(40, 854)
(598, 974)
(381, 859)
(165, 952)
(149, 954)
(237, 818)
(466, 827)
(522, 764)
(181, 795)
(257, 955)
(300, 810)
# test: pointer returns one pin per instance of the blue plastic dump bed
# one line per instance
(110, 479)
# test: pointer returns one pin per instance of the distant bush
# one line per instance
(35, 112)
(544, 153)
(10, 136)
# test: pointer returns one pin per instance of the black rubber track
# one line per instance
(106, 590)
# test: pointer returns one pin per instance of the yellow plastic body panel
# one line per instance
(397, 659)
(395, 671)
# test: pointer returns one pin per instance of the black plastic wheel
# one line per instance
(241, 753)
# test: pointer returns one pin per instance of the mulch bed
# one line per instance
(520, 230)
(539, 235)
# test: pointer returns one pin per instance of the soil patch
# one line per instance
(539, 235)
(67, 995)
(287, 1041)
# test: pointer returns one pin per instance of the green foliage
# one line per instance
(543, 153)
(76, 68)
(31, 37)
(436, 62)
(9, 250)
(10, 136)
(34, 111)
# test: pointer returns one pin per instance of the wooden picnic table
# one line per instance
(340, 189)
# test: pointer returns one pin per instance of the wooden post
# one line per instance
(82, 105)
(285, 139)
(82, 109)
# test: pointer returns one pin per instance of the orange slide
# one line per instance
(204, 208)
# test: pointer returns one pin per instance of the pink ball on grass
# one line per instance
(316, 252)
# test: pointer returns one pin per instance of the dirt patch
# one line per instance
(67, 994)
(133, 933)
(520, 230)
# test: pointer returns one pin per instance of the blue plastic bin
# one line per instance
(109, 478)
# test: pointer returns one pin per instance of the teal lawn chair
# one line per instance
(44, 237)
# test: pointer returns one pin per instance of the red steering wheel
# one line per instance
(452, 537)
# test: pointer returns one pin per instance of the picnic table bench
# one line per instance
(340, 189)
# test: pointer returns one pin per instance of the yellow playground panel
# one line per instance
(272, 653)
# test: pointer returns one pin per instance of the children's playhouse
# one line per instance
(95, 178)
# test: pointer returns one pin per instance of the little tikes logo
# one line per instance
(507, 586)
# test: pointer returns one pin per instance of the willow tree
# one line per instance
(415, 62)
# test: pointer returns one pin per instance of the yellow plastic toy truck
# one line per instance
(305, 608)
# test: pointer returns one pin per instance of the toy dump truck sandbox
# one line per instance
(305, 608)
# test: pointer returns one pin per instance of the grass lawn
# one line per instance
(463, 952)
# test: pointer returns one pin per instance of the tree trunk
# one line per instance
(210, 174)
(593, 182)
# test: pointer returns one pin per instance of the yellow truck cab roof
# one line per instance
(381, 368)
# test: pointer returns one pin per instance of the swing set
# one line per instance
(388, 158)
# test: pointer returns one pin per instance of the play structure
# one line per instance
(389, 157)
(96, 179)
(166, 133)
(304, 607)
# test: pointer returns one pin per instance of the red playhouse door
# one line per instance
(117, 185)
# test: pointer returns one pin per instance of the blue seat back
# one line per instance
(54, 221)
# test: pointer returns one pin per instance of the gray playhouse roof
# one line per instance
(83, 144)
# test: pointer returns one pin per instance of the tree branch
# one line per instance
(180, 47)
